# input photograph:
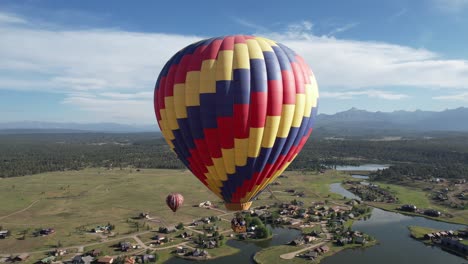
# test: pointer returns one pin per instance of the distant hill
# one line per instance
(455, 120)
(353, 122)
(55, 127)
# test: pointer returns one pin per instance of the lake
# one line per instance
(395, 244)
(364, 167)
(390, 229)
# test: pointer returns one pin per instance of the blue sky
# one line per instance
(95, 61)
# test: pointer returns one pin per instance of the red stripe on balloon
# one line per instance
(258, 107)
(241, 120)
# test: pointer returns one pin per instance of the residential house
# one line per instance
(360, 240)
(79, 259)
(312, 255)
(125, 246)
(48, 260)
(297, 242)
(4, 234)
(429, 236)
(105, 260)
(21, 257)
(95, 253)
(46, 231)
(129, 260)
(148, 258)
(455, 244)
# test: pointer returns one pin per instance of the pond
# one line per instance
(248, 248)
(364, 167)
(395, 244)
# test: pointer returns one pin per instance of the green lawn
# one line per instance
(409, 195)
(418, 232)
(73, 202)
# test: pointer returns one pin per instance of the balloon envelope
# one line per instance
(236, 110)
(174, 201)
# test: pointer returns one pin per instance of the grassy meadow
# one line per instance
(73, 202)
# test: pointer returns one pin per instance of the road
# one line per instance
(20, 211)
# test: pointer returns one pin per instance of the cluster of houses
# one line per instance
(450, 239)
(195, 253)
(412, 208)
(350, 237)
(296, 215)
(372, 192)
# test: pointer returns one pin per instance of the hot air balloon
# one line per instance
(236, 110)
(174, 201)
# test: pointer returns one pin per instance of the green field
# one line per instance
(418, 232)
(72, 202)
(409, 195)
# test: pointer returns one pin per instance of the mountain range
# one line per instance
(353, 120)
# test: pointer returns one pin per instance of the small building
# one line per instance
(432, 212)
(48, 260)
(46, 231)
(360, 240)
(105, 260)
(129, 260)
(429, 236)
(312, 255)
(125, 246)
(79, 259)
(4, 234)
(95, 253)
(21, 257)
(408, 208)
(296, 242)
(148, 258)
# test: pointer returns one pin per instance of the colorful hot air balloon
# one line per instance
(236, 110)
(174, 201)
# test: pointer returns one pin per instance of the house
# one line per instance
(46, 231)
(125, 246)
(95, 253)
(4, 234)
(148, 258)
(429, 236)
(48, 260)
(21, 257)
(312, 255)
(322, 249)
(181, 250)
(309, 239)
(144, 216)
(101, 229)
(343, 241)
(199, 253)
(78, 259)
(58, 252)
(296, 242)
(455, 244)
(408, 208)
(105, 260)
(360, 240)
(186, 235)
(129, 260)
(432, 212)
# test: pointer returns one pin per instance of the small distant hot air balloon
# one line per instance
(174, 201)
(236, 110)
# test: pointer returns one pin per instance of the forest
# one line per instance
(25, 154)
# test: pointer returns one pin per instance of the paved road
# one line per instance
(293, 254)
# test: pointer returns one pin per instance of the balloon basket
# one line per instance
(238, 206)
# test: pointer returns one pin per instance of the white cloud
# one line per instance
(11, 19)
(111, 71)
(451, 5)
(342, 29)
(454, 97)
(369, 93)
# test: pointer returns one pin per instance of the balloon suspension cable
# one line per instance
(272, 194)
